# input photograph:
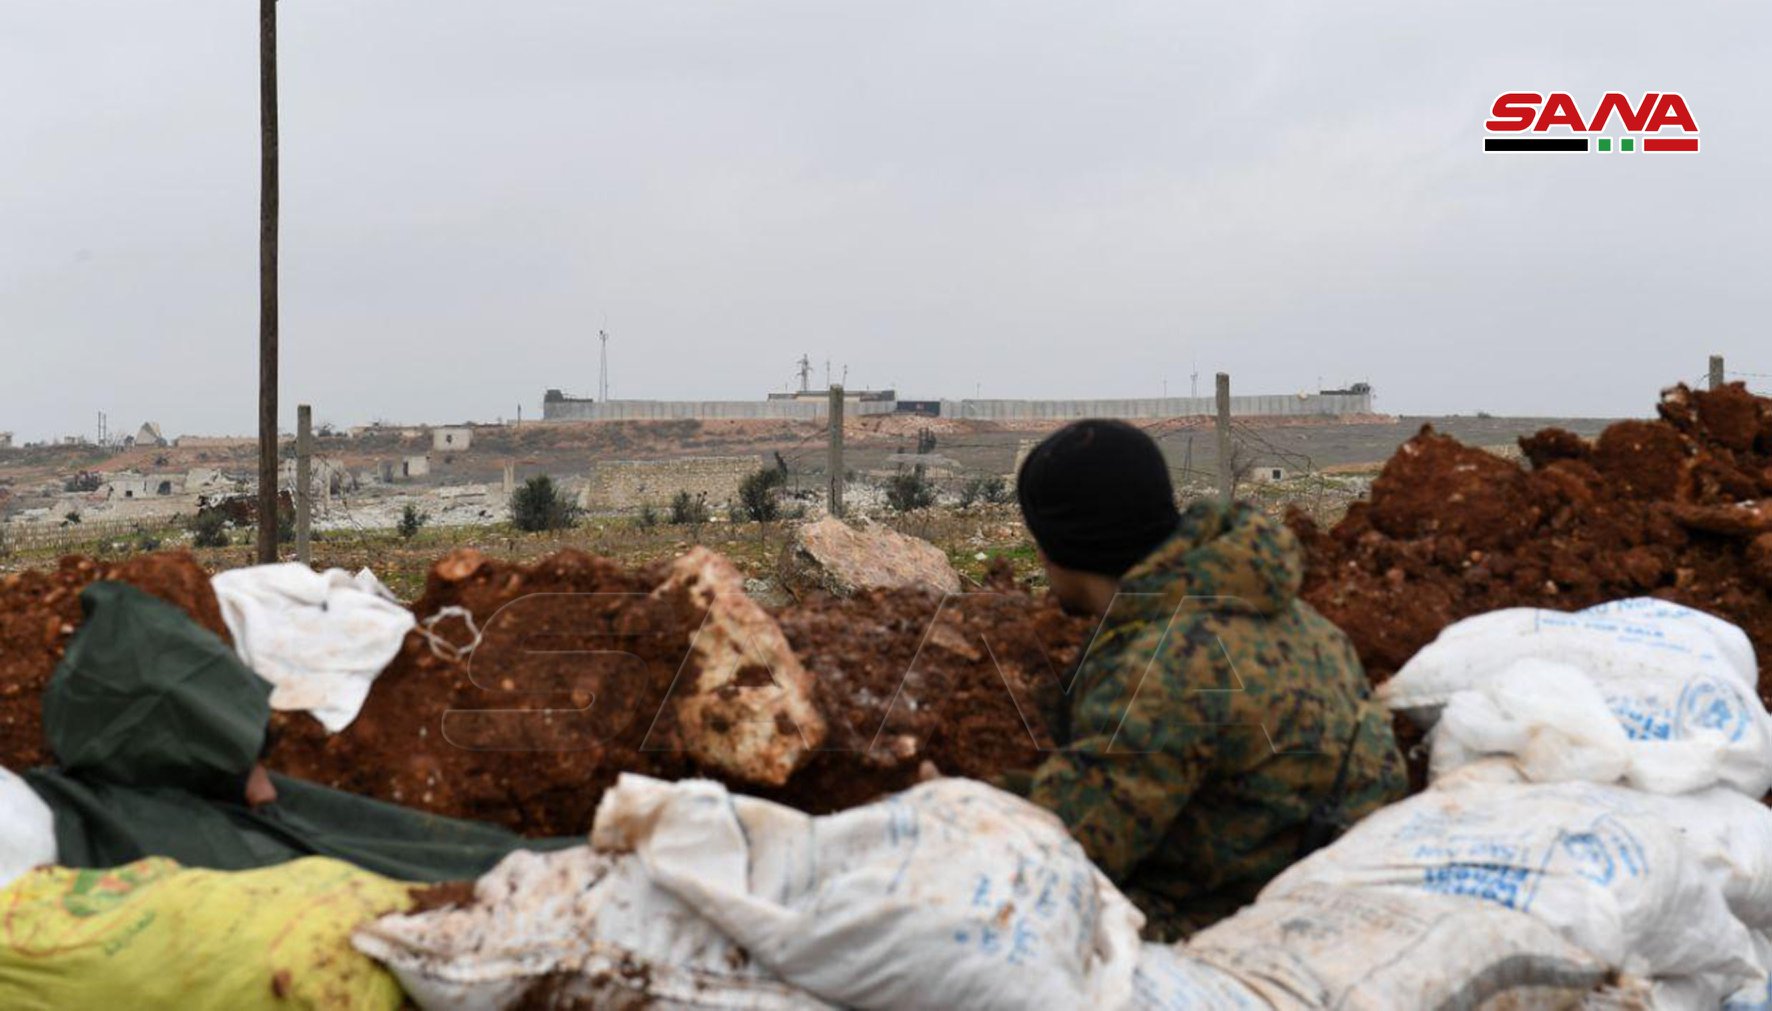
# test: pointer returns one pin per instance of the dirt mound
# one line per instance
(39, 610)
(579, 657)
(576, 672)
(968, 683)
(1669, 508)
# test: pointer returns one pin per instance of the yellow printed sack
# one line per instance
(152, 934)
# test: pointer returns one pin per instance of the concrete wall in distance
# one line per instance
(667, 410)
(626, 485)
(1266, 405)
(1274, 405)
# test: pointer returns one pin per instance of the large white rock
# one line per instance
(748, 711)
(843, 559)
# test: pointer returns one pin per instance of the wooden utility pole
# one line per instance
(835, 417)
(1226, 478)
(304, 498)
(1716, 371)
(267, 282)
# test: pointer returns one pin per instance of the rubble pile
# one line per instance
(1679, 508)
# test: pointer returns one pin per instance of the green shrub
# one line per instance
(690, 510)
(992, 489)
(540, 505)
(210, 530)
(648, 517)
(757, 499)
(910, 490)
(411, 521)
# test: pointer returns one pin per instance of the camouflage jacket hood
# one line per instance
(1252, 563)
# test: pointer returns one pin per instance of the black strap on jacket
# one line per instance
(1327, 819)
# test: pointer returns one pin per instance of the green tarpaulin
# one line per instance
(156, 724)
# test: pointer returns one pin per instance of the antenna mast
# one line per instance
(805, 373)
(603, 367)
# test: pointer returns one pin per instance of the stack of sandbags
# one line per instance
(951, 894)
(1658, 696)
(1600, 770)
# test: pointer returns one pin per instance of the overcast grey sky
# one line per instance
(1022, 197)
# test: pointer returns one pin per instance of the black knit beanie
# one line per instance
(1096, 496)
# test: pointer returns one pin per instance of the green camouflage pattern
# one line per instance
(1208, 717)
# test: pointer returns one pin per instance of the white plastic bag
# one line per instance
(1377, 948)
(320, 639)
(1587, 860)
(27, 829)
(950, 894)
(1622, 639)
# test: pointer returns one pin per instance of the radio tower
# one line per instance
(805, 374)
(603, 367)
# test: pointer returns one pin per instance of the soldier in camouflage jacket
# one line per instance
(1213, 711)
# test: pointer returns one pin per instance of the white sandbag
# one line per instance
(320, 639)
(1728, 833)
(1169, 979)
(1621, 639)
(1757, 997)
(27, 829)
(950, 894)
(1582, 858)
(1664, 733)
(586, 928)
(1377, 948)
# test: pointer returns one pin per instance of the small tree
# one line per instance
(411, 521)
(648, 517)
(689, 510)
(210, 529)
(541, 505)
(909, 490)
(757, 499)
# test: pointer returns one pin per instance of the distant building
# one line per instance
(451, 440)
(5, 440)
(149, 435)
(128, 484)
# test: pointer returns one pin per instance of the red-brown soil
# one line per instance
(1670, 508)
(39, 611)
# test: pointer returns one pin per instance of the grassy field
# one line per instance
(972, 538)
